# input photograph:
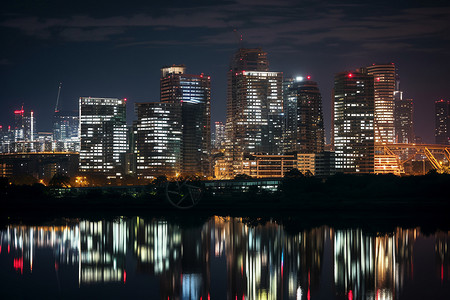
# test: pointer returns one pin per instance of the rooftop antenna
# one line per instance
(239, 37)
(57, 98)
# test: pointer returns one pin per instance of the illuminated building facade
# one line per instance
(384, 89)
(304, 131)
(276, 166)
(306, 163)
(442, 122)
(219, 135)
(6, 139)
(193, 93)
(158, 139)
(388, 164)
(257, 115)
(354, 122)
(404, 129)
(254, 108)
(103, 134)
(65, 131)
(290, 115)
(24, 126)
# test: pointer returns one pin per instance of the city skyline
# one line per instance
(108, 50)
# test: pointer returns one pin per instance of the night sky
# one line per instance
(116, 49)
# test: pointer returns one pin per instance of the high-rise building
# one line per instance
(354, 122)
(384, 89)
(65, 130)
(193, 93)
(103, 135)
(254, 108)
(442, 122)
(404, 130)
(303, 117)
(219, 135)
(290, 115)
(24, 126)
(158, 139)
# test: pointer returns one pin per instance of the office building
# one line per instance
(442, 122)
(40, 165)
(325, 164)
(304, 130)
(158, 139)
(103, 135)
(404, 128)
(6, 139)
(219, 135)
(65, 131)
(193, 93)
(384, 89)
(354, 122)
(254, 108)
(24, 126)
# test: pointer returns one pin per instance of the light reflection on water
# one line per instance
(259, 261)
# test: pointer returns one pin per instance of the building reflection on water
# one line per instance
(372, 267)
(263, 261)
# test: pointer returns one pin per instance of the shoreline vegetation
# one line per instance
(340, 200)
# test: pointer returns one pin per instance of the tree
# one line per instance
(293, 173)
(242, 177)
(60, 181)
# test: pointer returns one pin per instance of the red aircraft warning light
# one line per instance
(350, 75)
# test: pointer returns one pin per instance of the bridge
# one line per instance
(406, 152)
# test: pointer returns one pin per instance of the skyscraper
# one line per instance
(219, 136)
(354, 122)
(404, 130)
(384, 88)
(65, 130)
(24, 126)
(304, 117)
(193, 93)
(103, 134)
(442, 122)
(254, 108)
(158, 139)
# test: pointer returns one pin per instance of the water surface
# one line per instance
(219, 258)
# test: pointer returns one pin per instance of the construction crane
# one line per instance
(57, 98)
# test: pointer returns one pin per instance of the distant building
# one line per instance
(306, 163)
(65, 130)
(354, 122)
(275, 166)
(103, 135)
(24, 126)
(254, 108)
(219, 135)
(193, 93)
(6, 139)
(268, 166)
(388, 164)
(442, 122)
(404, 128)
(384, 89)
(158, 139)
(304, 130)
(42, 165)
(325, 164)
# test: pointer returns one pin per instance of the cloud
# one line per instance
(265, 23)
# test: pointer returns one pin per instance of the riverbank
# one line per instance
(367, 200)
